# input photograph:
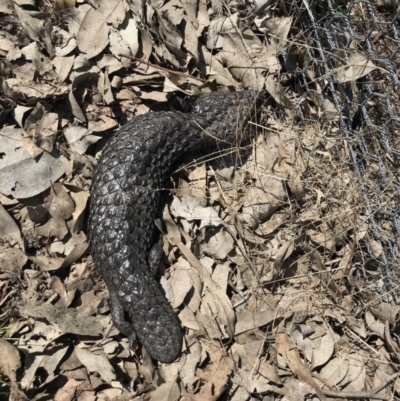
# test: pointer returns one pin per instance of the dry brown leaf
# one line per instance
(96, 362)
(323, 349)
(35, 28)
(356, 65)
(80, 138)
(67, 320)
(93, 34)
(181, 281)
(278, 29)
(68, 391)
(206, 394)
(225, 311)
(276, 91)
(188, 319)
(250, 320)
(335, 370)
(292, 358)
(217, 372)
(9, 231)
(294, 389)
(17, 161)
(189, 208)
(374, 325)
(10, 360)
(219, 243)
(167, 392)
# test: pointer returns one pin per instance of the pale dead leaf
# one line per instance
(80, 138)
(93, 34)
(335, 370)
(293, 389)
(190, 209)
(76, 81)
(22, 88)
(67, 320)
(250, 320)
(302, 342)
(50, 362)
(217, 28)
(358, 384)
(260, 203)
(386, 312)
(224, 305)
(9, 231)
(59, 202)
(130, 34)
(69, 390)
(188, 319)
(215, 69)
(276, 91)
(356, 369)
(17, 161)
(74, 254)
(80, 198)
(272, 224)
(218, 370)
(10, 360)
(323, 350)
(221, 274)
(36, 29)
(118, 46)
(219, 243)
(167, 392)
(284, 252)
(374, 325)
(376, 248)
(356, 66)
(66, 45)
(96, 362)
(181, 281)
(278, 29)
(187, 372)
(292, 358)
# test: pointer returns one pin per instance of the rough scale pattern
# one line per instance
(124, 203)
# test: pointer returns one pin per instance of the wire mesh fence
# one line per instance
(351, 72)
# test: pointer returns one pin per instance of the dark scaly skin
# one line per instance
(124, 202)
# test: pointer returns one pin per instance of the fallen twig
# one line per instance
(363, 394)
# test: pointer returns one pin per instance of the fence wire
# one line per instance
(368, 108)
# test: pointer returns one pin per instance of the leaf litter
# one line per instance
(262, 243)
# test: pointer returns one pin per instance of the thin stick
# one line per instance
(363, 394)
